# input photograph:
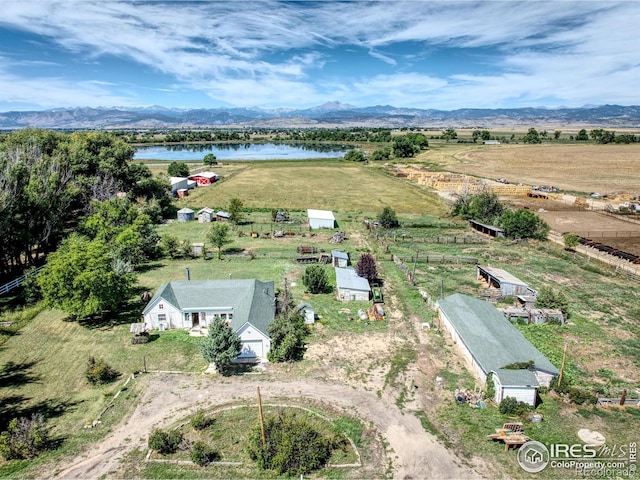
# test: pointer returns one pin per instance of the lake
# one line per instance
(241, 151)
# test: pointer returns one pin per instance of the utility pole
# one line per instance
(564, 356)
(264, 438)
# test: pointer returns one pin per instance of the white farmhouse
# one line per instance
(248, 306)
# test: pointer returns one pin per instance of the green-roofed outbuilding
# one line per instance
(248, 306)
(492, 344)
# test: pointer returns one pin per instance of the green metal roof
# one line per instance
(252, 300)
(492, 339)
(517, 378)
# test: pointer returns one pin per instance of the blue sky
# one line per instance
(418, 54)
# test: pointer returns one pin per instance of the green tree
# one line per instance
(178, 169)
(210, 159)
(355, 156)
(481, 134)
(83, 280)
(381, 154)
(288, 333)
(532, 136)
(25, 438)
(550, 298)
(483, 207)
(523, 224)
(366, 267)
(449, 134)
(315, 279)
(221, 345)
(403, 147)
(387, 218)
(235, 209)
(556, 134)
(293, 446)
(602, 136)
(582, 136)
(571, 240)
(218, 236)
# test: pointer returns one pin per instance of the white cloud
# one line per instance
(273, 53)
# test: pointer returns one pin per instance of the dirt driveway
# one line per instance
(168, 397)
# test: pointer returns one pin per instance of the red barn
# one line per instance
(204, 178)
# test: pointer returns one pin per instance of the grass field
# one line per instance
(330, 185)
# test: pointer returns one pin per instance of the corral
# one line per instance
(605, 229)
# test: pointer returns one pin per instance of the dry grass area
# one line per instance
(606, 169)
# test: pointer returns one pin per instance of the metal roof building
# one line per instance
(350, 286)
(491, 344)
(321, 219)
(508, 285)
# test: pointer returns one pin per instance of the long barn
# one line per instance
(492, 345)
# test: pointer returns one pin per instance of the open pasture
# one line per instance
(580, 168)
(322, 185)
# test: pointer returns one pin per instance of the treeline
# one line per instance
(54, 183)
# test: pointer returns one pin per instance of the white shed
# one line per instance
(519, 384)
(321, 219)
(350, 286)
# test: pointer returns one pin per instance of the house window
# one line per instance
(162, 317)
(161, 306)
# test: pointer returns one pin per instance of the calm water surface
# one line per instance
(241, 151)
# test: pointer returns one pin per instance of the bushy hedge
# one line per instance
(511, 406)
(202, 454)
(98, 372)
(164, 441)
(200, 420)
(24, 438)
(293, 446)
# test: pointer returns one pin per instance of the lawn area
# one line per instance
(329, 185)
(43, 370)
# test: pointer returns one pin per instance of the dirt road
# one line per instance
(168, 397)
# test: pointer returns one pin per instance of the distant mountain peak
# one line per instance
(328, 115)
(331, 106)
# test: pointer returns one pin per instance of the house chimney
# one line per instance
(188, 274)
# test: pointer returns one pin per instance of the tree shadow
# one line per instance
(11, 407)
(129, 312)
(150, 266)
(15, 374)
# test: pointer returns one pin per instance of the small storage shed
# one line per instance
(321, 219)
(223, 216)
(339, 259)
(185, 215)
(508, 285)
(205, 215)
(519, 384)
(350, 286)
